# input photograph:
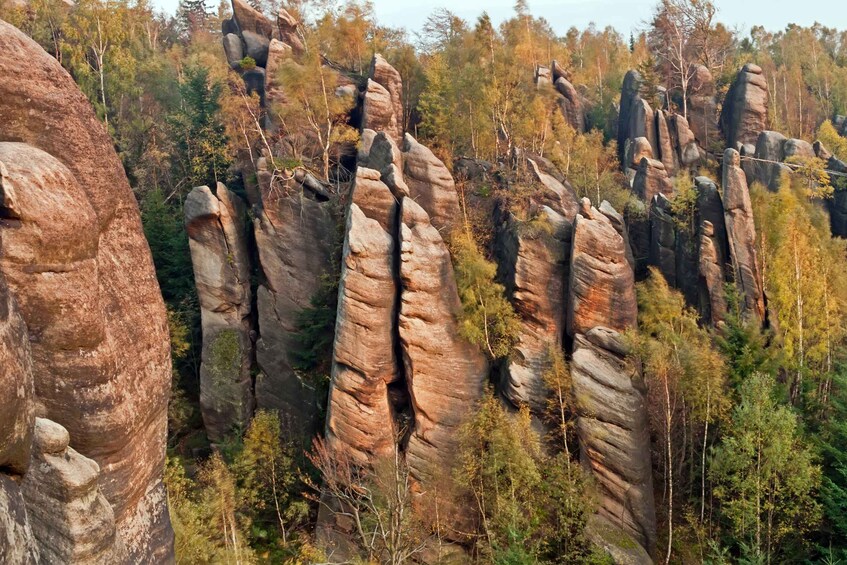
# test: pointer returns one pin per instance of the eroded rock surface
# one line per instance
(76, 261)
(445, 374)
(537, 266)
(741, 235)
(70, 518)
(360, 420)
(602, 287)
(295, 235)
(745, 109)
(614, 433)
(652, 179)
(215, 225)
(431, 185)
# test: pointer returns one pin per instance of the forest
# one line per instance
(746, 414)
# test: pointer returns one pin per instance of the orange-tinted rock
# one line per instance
(602, 288)
(82, 274)
(745, 109)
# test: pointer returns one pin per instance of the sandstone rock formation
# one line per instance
(289, 31)
(536, 268)
(382, 109)
(629, 92)
(71, 520)
(772, 150)
(17, 421)
(295, 236)
(745, 109)
(215, 225)
(359, 419)
(75, 259)
(651, 179)
(445, 374)
(741, 235)
(837, 205)
(431, 185)
(712, 276)
(702, 107)
(601, 288)
(570, 103)
(614, 433)
(663, 239)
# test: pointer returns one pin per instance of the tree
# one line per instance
(685, 380)
(266, 472)
(201, 156)
(765, 476)
(312, 105)
(675, 37)
(487, 320)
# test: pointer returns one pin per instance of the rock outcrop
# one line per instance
(295, 236)
(76, 261)
(741, 236)
(772, 151)
(445, 374)
(651, 179)
(71, 520)
(614, 434)
(630, 90)
(571, 105)
(17, 421)
(601, 288)
(360, 422)
(431, 185)
(837, 205)
(382, 109)
(215, 224)
(745, 109)
(702, 107)
(536, 268)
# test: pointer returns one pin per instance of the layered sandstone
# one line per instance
(76, 261)
(217, 239)
(745, 109)
(741, 235)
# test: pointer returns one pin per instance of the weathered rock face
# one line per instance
(837, 205)
(252, 20)
(652, 179)
(614, 433)
(360, 420)
(215, 225)
(741, 235)
(602, 287)
(745, 109)
(289, 31)
(17, 420)
(684, 141)
(16, 386)
(642, 123)
(570, 103)
(712, 276)
(663, 240)
(772, 150)
(382, 109)
(667, 154)
(629, 92)
(702, 107)
(76, 261)
(71, 520)
(769, 147)
(444, 373)
(431, 185)
(536, 276)
(295, 234)
(557, 194)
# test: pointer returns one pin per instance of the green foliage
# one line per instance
(200, 146)
(488, 320)
(534, 507)
(742, 343)
(832, 445)
(832, 140)
(225, 358)
(247, 63)
(764, 474)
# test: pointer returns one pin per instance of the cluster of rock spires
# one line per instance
(85, 366)
(572, 104)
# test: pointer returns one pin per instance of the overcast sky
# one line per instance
(624, 15)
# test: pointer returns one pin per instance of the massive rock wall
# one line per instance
(745, 109)
(217, 239)
(75, 259)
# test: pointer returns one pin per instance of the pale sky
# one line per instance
(624, 15)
